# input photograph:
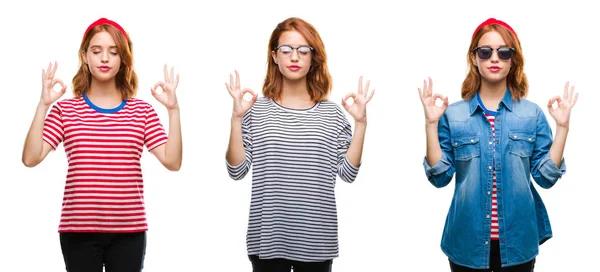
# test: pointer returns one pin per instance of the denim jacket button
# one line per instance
(486, 242)
(490, 167)
(490, 143)
(487, 216)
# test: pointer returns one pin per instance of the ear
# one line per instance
(274, 55)
(473, 59)
(83, 57)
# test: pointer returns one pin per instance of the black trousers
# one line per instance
(284, 265)
(117, 252)
(495, 263)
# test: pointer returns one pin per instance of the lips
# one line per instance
(294, 67)
(494, 69)
(104, 68)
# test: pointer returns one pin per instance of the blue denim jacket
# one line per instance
(522, 149)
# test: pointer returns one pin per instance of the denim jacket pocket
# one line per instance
(466, 147)
(521, 143)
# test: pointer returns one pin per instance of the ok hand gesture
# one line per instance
(433, 113)
(240, 106)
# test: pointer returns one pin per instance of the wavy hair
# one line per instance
(318, 79)
(516, 78)
(126, 79)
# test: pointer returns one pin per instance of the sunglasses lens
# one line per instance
(505, 53)
(484, 52)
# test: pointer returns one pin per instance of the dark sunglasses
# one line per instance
(485, 52)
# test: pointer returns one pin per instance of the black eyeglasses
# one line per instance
(287, 50)
(485, 52)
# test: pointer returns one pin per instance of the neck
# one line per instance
(104, 94)
(294, 94)
(491, 93)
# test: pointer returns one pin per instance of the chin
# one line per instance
(104, 77)
(294, 77)
(495, 78)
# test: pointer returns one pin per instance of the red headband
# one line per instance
(493, 21)
(103, 21)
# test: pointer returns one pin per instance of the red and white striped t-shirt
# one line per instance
(495, 235)
(104, 191)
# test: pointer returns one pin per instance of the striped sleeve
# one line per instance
(53, 132)
(238, 172)
(346, 171)
(154, 132)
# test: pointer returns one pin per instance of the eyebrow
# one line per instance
(487, 45)
(98, 46)
(295, 46)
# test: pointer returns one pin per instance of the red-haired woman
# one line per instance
(104, 129)
(494, 140)
(297, 142)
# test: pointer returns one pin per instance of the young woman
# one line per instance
(104, 129)
(298, 143)
(494, 140)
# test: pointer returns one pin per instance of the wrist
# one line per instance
(360, 124)
(236, 119)
(173, 108)
(42, 105)
(563, 126)
(431, 125)
(361, 121)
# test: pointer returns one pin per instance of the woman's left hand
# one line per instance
(358, 109)
(167, 97)
(562, 113)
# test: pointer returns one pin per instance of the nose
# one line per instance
(494, 58)
(294, 56)
(105, 56)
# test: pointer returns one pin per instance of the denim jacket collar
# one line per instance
(506, 101)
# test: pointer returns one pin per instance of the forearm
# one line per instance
(173, 147)
(354, 153)
(34, 142)
(558, 145)
(235, 151)
(434, 151)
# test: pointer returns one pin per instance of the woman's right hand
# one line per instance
(433, 113)
(50, 96)
(240, 106)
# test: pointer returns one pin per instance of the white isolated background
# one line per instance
(391, 218)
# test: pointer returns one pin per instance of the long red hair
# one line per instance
(126, 79)
(516, 78)
(318, 78)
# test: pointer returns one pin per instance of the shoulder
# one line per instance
(330, 105)
(458, 109)
(138, 102)
(329, 109)
(139, 105)
(73, 103)
(458, 105)
(526, 108)
(261, 104)
(262, 101)
(524, 103)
